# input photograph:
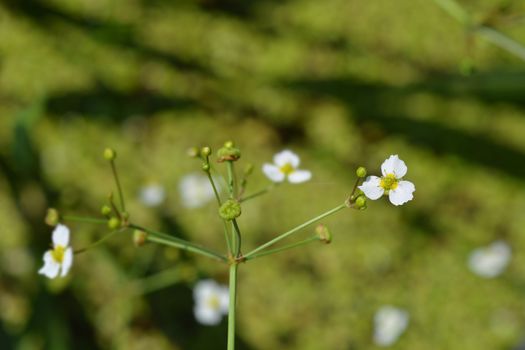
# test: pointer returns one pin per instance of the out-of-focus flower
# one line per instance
(196, 190)
(285, 164)
(490, 261)
(59, 259)
(399, 191)
(389, 323)
(152, 195)
(211, 302)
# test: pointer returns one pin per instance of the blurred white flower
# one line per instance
(391, 183)
(152, 195)
(389, 323)
(284, 166)
(211, 302)
(60, 258)
(196, 190)
(490, 261)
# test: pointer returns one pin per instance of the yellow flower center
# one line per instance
(214, 302)
(58, 253)
(389, 182)
(287, 169)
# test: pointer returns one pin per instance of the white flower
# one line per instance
(389, 323)
(211, 302)
(391, 183)
(490, 261)
(152, 195)
(284, 166)
(196, 190)
(60, 258)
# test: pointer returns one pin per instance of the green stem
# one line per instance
(292, 231)
(84, 219)
(501, 40)
(259, 193)
(232, 306)
(119, 188)
(158, 281)
(286, 247)
(99, 242)
(231, 178)
(214, 188)
(237, 232)
(454, 10)
(163, 238)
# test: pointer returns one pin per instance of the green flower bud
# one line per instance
(113, 223)
(323, 233)
(360, 203)
(125, 216)
(230, 210)
(205, 151)
(139, 238)
(361, 172)
(52, 217)
(193, 152)
(206, 167)
(228, 153)
(106, 210)
(110, 154)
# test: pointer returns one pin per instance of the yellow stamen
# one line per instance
(214, 302)
(58, 253)
(389, 182)
(287, 169)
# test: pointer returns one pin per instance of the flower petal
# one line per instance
(195, 190)
(394, 165)
(206, 315)
(491, 261)
(273, 173)
(371, 187)
(286, 157)
(299, 176)
(67, 262)
(402, 193)
(152, 195)
(204, 289)
(61, 236)
(50, 268)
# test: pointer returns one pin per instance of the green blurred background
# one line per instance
(341, 82)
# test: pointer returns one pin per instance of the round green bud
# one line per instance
(113, 223)
(105, 210)
(139, 238)
(360, 202)
(52, 217)
(193, 152)
(205, 151)
(125, 215)
(323, 233)
(230, 210)
(361, 172)
(228, 154)
(229, 144)
(110, 154)
(206, 167)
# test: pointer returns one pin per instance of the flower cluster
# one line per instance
(285, 167)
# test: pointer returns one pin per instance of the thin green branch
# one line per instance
(99, 242)
(214, 188)
(231, 178)
(237, 232)
(158, 281)
(166, 239)
(258, 193)
(84, 219)
(292, 231)
(119, 188)
(488, 33)
(283, 248)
